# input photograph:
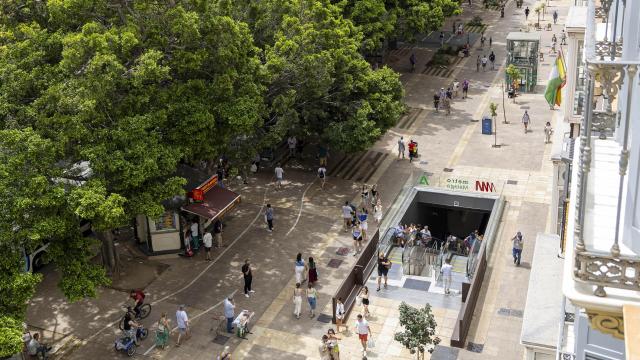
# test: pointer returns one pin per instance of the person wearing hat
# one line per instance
(517, 248)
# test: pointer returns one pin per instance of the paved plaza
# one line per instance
(308, 221)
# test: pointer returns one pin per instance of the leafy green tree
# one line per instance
(419, 329)
(320, 85)
(382, 20)
(513, 77)
(129, 89)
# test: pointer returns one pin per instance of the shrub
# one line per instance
(439, 59)
(476, 21)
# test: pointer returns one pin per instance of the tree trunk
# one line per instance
(110, 258)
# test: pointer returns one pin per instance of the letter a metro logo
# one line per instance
(485, 186)
(424, 180)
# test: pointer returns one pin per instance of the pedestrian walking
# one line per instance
(383, 269)
(465, 88)
(340, 315)
(268, 216)
(297, 301)
(555, 16)
(377, 212)
(322, 175)
(484, 62)
(195, 234)
(207, 240)
(248, 277)
(279, 171)
(356, 233)
(478, 64)
(482, 39)
(332, 345)
(229, 312)
(441, 39)
(374, 195)
(401, 148)
(526, 13)
(490, 42)
(364, 298)
(453, 28)
(162, 331)
(300, 268)
(548, 131)
(323, 155)
(292, 142)
(346, 215)
(364, 194)
(362, 218)
(312, 299)
(412, 60)
(563, 38)
(446, 275)
(492, 58)
(447, 105)
(525, 121)
(460, 30)
(436, 101)
(313, 271)
(225, 354)
(364, 333)
(517, 248)
(502, 11)
(456, 87)
(217, 232)
(183, 324)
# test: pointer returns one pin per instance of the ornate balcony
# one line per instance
(606, 273)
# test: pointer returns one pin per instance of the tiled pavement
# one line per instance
(445, 142)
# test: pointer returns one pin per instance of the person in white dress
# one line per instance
(377, 212)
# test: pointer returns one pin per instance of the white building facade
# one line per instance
(602, 231)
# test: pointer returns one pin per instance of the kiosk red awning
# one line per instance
(217, 201)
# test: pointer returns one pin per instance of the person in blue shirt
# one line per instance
(362, 218)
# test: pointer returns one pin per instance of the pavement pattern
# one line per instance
(308, 220)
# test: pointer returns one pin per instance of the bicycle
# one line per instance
(145, 310)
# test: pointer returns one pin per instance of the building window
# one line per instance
(579, 93)
(166, 222)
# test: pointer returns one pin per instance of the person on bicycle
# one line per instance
(138, 297)
(130, 326)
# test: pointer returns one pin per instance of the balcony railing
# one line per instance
(606, 70)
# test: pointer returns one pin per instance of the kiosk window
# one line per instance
(166, 222)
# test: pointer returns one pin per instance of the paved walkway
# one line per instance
(308, 221)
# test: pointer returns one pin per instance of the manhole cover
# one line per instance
(334, 263)
(516, 313)
(416, 284)
(525, 107)
(447, 170)
(342, 251)
(324, 318)
(512, 182)
(220, 339)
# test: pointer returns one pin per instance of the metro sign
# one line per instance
(485, 186)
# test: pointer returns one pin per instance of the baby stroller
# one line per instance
(413, 150)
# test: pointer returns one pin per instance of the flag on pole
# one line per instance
(557, 79)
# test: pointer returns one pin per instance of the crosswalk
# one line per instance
(401, 51)
(478, 29)
(407, 120)
(358, 167)
(442, 71)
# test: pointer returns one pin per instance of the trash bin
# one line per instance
(486, 125)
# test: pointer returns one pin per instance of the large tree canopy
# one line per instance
(125, 90)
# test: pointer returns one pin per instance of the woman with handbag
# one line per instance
(162, 332)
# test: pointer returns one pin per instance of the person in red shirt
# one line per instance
(138, 297)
